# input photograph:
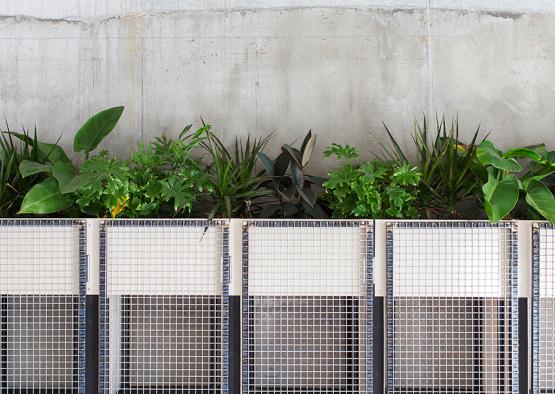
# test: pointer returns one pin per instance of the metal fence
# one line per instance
(307, 307)
(452, 307)
(164, 306)
(42, 294)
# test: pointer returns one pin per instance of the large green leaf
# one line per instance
(540, 198)
(539, 174)
(77, 183)
(523, 152)
(28, 168)
(487, 154)
(500, 197)
(45, 197)
(52, 152)
(95, 129)
(64, 173)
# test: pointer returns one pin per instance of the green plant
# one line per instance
(446, 165)
(160, 179)
(376, 189)
(503, 188)
(12, 152)
(49, 195)
(236, 189)
(293, 190)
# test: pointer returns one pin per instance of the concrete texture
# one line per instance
(284, 66)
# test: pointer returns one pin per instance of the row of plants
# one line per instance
(197, 175)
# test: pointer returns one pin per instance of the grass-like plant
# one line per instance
(15, 148)
(236, 186)
(447, 165)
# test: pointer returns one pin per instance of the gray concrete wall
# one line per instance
(339, 67)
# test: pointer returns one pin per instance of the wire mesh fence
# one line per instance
(307, 307)
(452, 308)
(543, 308)
(164, 306)
(42, 303)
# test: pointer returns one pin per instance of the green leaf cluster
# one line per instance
(375, 189)
(510, 181)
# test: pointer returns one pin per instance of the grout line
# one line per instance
(227, 12)
(429, 76)
(142, 90)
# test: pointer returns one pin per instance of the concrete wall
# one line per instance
(339, 67)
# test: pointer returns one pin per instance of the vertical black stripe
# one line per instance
(235, 345)
(523, 345)
(378, 345)
(91, 361)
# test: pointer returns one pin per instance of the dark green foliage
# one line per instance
(295, 193)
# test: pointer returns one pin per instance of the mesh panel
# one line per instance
(544, 308)
(42, 291)
(452, 308)
(307, 293)
(164, 306)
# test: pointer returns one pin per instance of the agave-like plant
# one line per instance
(449, 169)
(236, 188)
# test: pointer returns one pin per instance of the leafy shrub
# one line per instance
(160, 179)
(376, 189)
(505, 186)
(50, 195)
(294, 191)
